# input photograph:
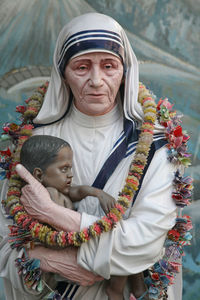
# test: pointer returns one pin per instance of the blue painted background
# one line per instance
(165, 36)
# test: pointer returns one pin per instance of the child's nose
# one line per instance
(70, 174)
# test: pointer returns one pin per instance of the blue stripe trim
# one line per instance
(79, 38)
(158, 139)
(61, 287)
(117, 144)
(92, 32)
(160, 143)
(116, 156)
(131, 145)
(74, 292)
(69, 290)
(120, 138)
(156, 145)
(131, 151)
(159, 136)
(89, 44)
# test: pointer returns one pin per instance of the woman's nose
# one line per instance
(96, 77)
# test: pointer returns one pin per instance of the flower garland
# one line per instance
(45, 233)
(162, 274)
(27, 229)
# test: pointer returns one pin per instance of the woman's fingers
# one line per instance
(25, 174)
(84, 281)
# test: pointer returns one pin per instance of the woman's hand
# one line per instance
(35, 197)
(64, 263)
(37, 202)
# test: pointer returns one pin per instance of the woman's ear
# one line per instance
(38, 174)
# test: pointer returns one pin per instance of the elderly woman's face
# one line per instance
(94, 79)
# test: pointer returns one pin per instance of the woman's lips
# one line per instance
(96, 95)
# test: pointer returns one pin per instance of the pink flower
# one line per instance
(20, 109)
(113, 217)
(165, 103)
(108, 221)
(27, 100)
(11, 127)
(70, 238)
(27, 127)
(185, 138)
(85, 231)
(32, 109)
(6, 129)
(97, 228)
(119, 207)
(176, 137)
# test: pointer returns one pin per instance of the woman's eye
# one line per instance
(108, 66)
(82, 68)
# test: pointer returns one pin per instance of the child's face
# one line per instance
(59, 173)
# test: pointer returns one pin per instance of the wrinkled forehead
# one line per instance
(88, 33)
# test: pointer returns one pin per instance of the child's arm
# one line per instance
(77, 193)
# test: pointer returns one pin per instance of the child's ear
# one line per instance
(38, 174)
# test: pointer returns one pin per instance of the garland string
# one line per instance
(26, 230)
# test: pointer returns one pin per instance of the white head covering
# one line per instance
(88, 33)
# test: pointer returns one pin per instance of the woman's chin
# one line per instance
(96, 109)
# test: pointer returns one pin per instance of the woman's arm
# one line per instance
(64, 263)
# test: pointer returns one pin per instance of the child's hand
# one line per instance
(77, 193)
(107, 202)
